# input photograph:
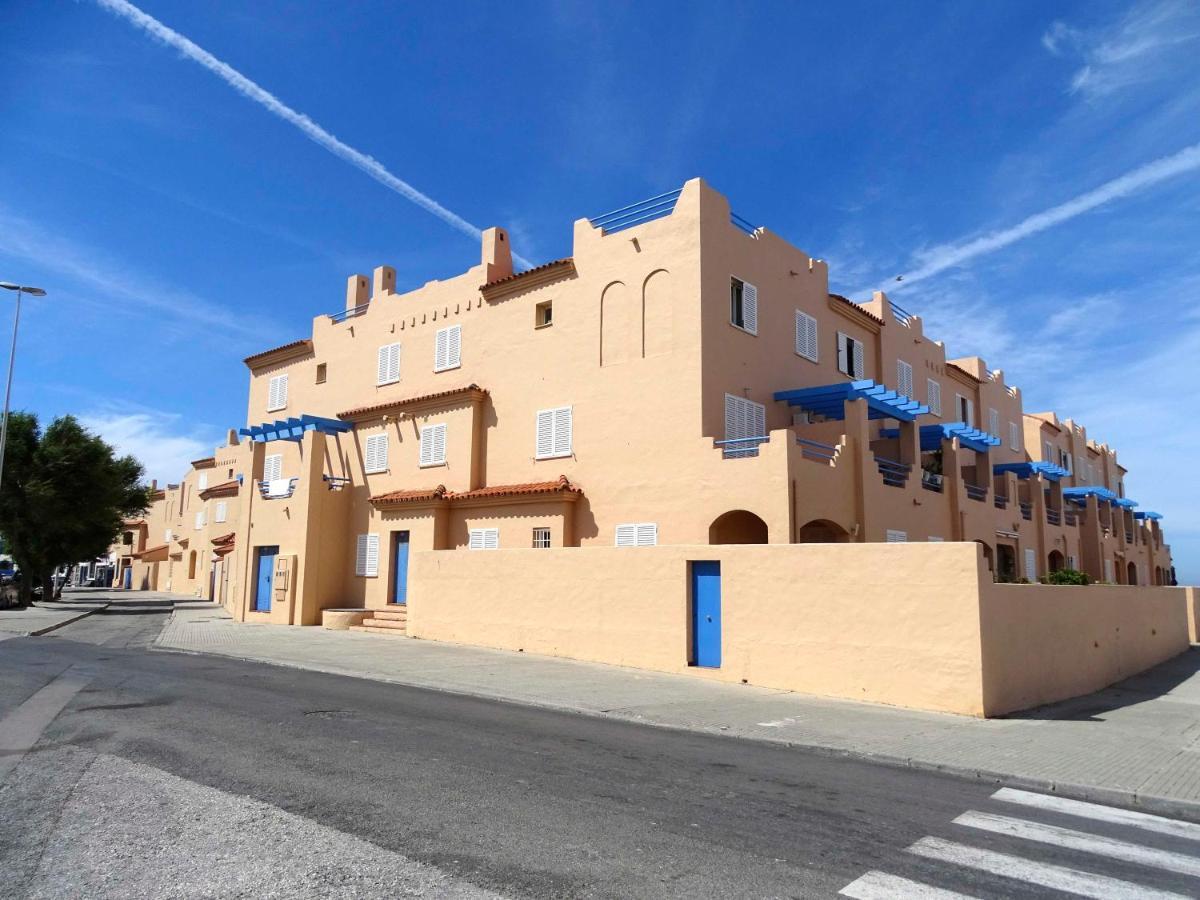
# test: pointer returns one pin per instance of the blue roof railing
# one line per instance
(742, 224)
(1124, 503)
(293, 429)
(902, 315)
(830, 400)
(1024, 470)
(349, 313)
(637, 213)
(1147, 514)
(933, 435)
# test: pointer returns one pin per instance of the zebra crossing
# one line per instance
(1011, 850)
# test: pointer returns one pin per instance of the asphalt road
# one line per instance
(166, 774)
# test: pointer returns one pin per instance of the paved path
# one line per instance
(44, 617)
(1137, 742)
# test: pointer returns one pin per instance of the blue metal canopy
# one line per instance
(1124, 503)
(1147, 514)
(829, 400)
(1025, 469)
(933, 435)
(293, 429)
(1080, 494)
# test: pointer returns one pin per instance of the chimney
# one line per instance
(232, 438)
(154, 484)
(356, 291)
(497, 255)
(384, 282)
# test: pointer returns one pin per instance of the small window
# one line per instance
(375, 453)
(202, 482)
(273, 467)
(483, 539)
(1014, 436)
(743, 305)
(222, 511)
(904, 378)
(199, 519)
(387, 369)
(994, 422)
(366, 556)
(543, 314)
(433, 445)
(637, 534)
(933, 394)
(541, 539)
(277, 393)
(321, 372)
(1071, 563)
(168, 535)
(806, 336)
(965, 409)
(554, 433)
(1030, 564)
(895, 536)
(447, 353)
(851, 356)
(1047, 451)
(745, 423)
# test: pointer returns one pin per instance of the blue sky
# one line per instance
(1034, 168)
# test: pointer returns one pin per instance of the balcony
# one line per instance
(1026, 511)
(975, 492)
(1129, 537)
(1053, 517)
(1069, 519)
(932, 481)
(350, 313)
(278, 488)
(1001, 501)
(895, 474)
(815, 450)
(739, 448)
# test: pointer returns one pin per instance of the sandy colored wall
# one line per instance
(1193, 613)
(1042, 644)
(886, 623)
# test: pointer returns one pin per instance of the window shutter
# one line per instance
(806, 336)
(203, 482)
(199, 519)
(896, 537)
(454, 347)
(750, 307)
(273, 467)
(647, 534)
(475, 539)
(387, 370)
(1014, 436)
(1047, 451)
(360, 555)
(439, 443)
(440, 350)
(1030, 564)
(904, 378)
(859, 363)
(277, 391)
(843, 353)
(994, 421)
(426, 446)
(483, 539)
(1070, 464)
(376, 453)
(933, 391)
(222, 511)
(372, 555)
(562, 431)
(626, 536)
(545, 433)
(433, 445)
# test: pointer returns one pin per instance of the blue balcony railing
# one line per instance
(637, 213)
(276, 490)
(1001, 501)
(737, 448)
(742, 224)
(349, 313)
(975, 492)
(1053, 517)
(902, 315)
(815, 450)
(932, 481)
(895, 474)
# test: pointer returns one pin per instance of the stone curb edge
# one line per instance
(57, 625)
(1166, 806)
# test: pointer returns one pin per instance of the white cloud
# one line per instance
(938, 259)
(277, 107)
(153, 438)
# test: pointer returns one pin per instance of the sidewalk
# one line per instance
(1137, 742)
(45, 616)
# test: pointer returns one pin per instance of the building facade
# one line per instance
(681, 378)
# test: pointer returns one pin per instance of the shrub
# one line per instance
(1065, 576)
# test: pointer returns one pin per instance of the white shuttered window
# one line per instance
(483, 539)
(743, 419)
(366, 556)
(806, 336)
(447, 351)
(743, 305)
(222, 511)
(202, 481)
(933, 396)
(433, 445)
(273, 467)
(199, 519)
(1014, 436)
(851, 356)
(277, 391)
(554, 432)
(637, 534)
(894, 536)
(375, 453)
(1030, 564)
(966, 409)
(994, 422)
(904, 381)
(387, 370)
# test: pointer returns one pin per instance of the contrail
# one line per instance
(947, 256)
(273, 104)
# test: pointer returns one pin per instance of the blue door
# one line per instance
(128, 577)
(266, 578)
(706, 614)
(400, 567)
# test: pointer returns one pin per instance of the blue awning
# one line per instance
(1147, 514)
(1124, 503)
(933, 435)
(1025, 469)
(829, 400)
(293, 429)
(1080, 494)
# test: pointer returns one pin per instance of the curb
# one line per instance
(1166, 806)
(57, 625)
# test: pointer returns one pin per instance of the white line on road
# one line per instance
(1111, 814)
(1047, 875)
(22, 727)
(882, 886)
(1079, 840)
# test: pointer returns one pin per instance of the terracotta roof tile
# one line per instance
(960, 369)
(436, 493)
(225, 487)
(857, 307)
(565, 262)
(363, 411)
(303, 342)
(561, 486)
(224, 539)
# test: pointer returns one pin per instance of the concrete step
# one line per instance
(371, 629)
(400, 614)
(385, 623)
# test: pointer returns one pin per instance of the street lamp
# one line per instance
(12, 357)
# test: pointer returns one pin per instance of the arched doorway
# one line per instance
(192, 565)
(822, 531)
(988, 556)
(1006, 563)
(1056, 562)
(1132, 574)
(737, 526)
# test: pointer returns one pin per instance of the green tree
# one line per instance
(64, 495)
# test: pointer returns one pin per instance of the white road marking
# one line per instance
(1047, 875)
(22, 727)
(1110, 814)
(1078, 840)
(882, 886)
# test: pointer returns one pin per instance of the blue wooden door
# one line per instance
(400, 567)
(128, 577)
(266, 578)
(706, 614)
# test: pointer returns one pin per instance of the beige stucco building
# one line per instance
(682, 378)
